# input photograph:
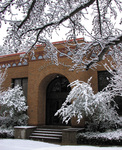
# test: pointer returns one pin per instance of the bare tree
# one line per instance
(40, 18)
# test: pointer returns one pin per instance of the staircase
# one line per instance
(52, 135)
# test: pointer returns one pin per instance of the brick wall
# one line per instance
(40, 73)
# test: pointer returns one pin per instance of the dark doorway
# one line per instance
(57, 92)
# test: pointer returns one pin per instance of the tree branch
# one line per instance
(28, 14)
(104, 50)
(81, 7)
(99, 15)
(5, 6)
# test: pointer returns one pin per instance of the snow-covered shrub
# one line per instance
(115, 69)
(6, 131)
(13, 108)
(110, 137)
(13, 105)
(95, 108)
(105, 115)
(78, 102)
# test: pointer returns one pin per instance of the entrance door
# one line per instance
(57, 92)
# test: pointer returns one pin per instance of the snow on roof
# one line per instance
(62, 42)
(2, 56)
(55, 43)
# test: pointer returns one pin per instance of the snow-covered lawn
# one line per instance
(15, 144)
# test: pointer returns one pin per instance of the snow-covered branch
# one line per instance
(103, 51)
(41, 18)
(28, 14)
(5, 5)
(57, 22)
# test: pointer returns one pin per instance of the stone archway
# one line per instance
(42, 97)
(56, 93)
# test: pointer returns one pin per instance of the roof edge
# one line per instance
(58, 42)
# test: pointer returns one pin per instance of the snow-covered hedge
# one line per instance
(98, 138)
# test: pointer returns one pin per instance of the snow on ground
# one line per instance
(16, 144)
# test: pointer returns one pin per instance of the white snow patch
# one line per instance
(24, 127)
(17, 144)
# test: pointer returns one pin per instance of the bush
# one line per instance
(98, 138)
(95, 108)
(6, 132)
(12, 111)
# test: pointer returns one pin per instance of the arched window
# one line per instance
(40, 57)
(19, 64)
(33, 58)
(14, 65)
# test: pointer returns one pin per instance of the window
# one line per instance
(25, 63)
(40, 57)
(69, 53)
(14, 65)
(23, 82)
(103, 79)
(9, 65)
(33, 58)
(61, 54)
(3, 66)
(19, 64)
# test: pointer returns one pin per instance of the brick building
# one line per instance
(45, 84)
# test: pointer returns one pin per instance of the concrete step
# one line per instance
(47, 135)
(49, 130)
(41, 131)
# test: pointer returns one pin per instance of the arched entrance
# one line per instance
(56, 94)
